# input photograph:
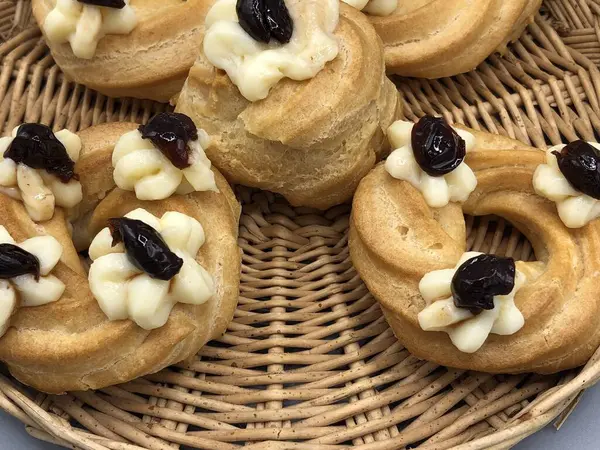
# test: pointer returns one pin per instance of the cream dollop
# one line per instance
(125, 292)
(374, 7)
(468, 332)
(255, 67)
(83, 25)
(39, 190)
(141, 167)
(575, 208)
(437, 191)
(25, 290)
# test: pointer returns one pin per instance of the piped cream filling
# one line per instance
(125, 292)
(374, 7)
(25, 290)
(39, 190)
(575, 208)
(83, 25)
(468, 332)
(437, 191)
(255, 67)
(141, 167)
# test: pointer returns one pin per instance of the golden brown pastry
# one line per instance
(441, 38)
(311, 140)
(69, 343)
(407, 251)
(144, 50)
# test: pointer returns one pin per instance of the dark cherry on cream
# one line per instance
(145, 248)
(438, 149)
(265, 20)
(171, 134)
(579, 162)
(118, 4)
(479, 279)
(36, 146)
(14, 261)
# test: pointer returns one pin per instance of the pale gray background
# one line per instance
(581, 431)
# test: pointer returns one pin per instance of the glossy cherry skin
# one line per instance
(145, 248)
(265, 19)
(171, 134)
(437, 148)
(279, 21)
(579, 162)
(36, 146)
(14, 261)
(479, 279)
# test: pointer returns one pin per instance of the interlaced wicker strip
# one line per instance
(308, 361)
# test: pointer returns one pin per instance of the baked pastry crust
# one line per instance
(151, 62)
(441, 38)
(311, 141)
(70, 344)
(560, 300)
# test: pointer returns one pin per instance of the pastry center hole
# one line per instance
(495, 235)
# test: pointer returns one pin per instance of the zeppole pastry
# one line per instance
(466, 309)
(294, 98)
(124, 48)
(441, 38)
(160, 272)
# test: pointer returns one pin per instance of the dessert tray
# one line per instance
(309, 361)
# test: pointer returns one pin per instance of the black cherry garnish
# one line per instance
(438, 149)
(14, 261)
(171, 134)
(579, 162)
(145, 248)
(118, 4)
(36, 146)
(265, 19)
(479, 279)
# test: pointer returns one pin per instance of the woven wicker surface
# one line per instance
(308, 361)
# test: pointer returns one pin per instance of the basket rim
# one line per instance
(503, 116)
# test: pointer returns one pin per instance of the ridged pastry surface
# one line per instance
(439, 38)
(151, 62)
(395, 239)
(70, 344)
(311, 141)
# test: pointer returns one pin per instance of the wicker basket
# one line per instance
(308, 361)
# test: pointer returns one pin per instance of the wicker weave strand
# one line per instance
(308, 361)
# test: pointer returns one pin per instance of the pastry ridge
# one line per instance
(311, 141)
(441, 38)
(70, 344)
(417, 239)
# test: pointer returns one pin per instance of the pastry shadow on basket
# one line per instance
(309, 358)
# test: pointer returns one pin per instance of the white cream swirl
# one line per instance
(374, 7)
(83, 25)
(125, 292)
(455, 186)
(25, 290)
(468, 332)
(39, 190)
(575, 208)
(141, 167)
(255, 67)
